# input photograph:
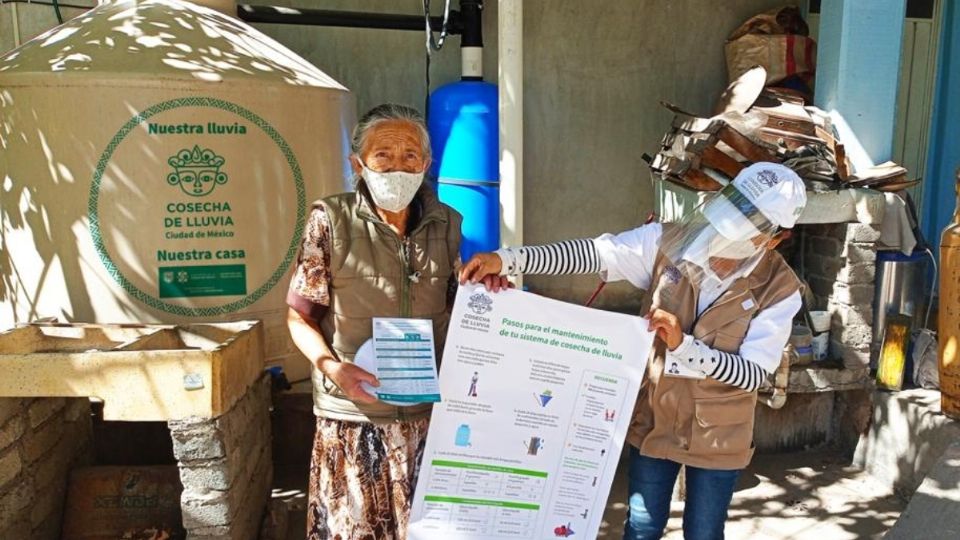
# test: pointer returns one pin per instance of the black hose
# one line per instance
(351, 19)
(42, 3)
(56, 9)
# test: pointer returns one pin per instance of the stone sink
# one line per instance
(141, 372)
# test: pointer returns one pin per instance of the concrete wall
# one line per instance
(381, 65)
(33, 20)
(594, 74)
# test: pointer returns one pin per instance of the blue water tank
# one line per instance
(465, 141)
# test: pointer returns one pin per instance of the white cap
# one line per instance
(776, 191)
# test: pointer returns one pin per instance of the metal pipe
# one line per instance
(348, 19)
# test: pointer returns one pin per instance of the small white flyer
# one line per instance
(405, 361)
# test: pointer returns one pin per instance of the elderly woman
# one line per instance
(387, 250)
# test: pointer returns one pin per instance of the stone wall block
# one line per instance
(12, 431)
(53, 468)
(210, 532)
(199, 442)
(39, 442)
(853, 295)
(823, 246)
(10, 466)
(853, 358)
(15, 503)
(77, 409)
(207, 508)
(42, 409)
(852, 335)
(48, 506)
(847, 232)
(859, 253)
(213, 475)
(859, 273)
(823, 266)
(847, 315)
(9, 407)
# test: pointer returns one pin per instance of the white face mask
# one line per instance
(392, 191)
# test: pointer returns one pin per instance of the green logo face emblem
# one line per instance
(196, 171)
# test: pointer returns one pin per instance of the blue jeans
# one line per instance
(651, 487)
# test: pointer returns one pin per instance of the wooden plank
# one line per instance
(716, 159)
(791, 124)
(745, 146)
(843, 164)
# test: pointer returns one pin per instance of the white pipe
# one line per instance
(510, 84)
(471, 61)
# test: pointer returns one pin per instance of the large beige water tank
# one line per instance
(158, 159)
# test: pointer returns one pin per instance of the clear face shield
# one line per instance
(721, 240)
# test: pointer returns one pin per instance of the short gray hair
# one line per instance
(385, 113)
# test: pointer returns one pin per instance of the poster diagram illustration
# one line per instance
(525, 442)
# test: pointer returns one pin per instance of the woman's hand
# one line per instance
(667, 327)
(348, 377)
(496, 283)
(482, 266)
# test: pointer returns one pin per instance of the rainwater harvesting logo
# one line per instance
(179, 267)
(480, 304)
(196, 171)
(768, 178)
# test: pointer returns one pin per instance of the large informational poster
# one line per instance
(537, 396)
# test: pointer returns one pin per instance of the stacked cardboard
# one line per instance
(756, 123)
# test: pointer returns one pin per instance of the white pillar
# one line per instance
(510, 84)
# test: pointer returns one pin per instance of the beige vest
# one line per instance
(704, 423)
(370, 266)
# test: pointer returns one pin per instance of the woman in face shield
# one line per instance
(389, 249)
(721, 302)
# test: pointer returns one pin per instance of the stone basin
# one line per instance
(141, 372)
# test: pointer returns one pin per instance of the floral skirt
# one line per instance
(362, 478)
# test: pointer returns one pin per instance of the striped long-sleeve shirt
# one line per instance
(582, 256)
